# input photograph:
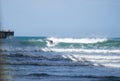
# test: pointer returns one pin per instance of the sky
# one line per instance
(62, 18)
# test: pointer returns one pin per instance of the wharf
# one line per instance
(5, 34)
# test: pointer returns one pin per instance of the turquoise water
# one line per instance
(65, 59)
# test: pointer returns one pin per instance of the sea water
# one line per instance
(65, 59)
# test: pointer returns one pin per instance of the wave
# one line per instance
(81, 50)
(75, 76)
(52, 58)
(95, 59)
(81, 43)
(80, 40)
(56, 41)
(52, 42)
(61, 50)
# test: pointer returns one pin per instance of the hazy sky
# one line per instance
(62, 18)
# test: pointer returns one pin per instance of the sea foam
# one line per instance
(82, 50)
(79, 40)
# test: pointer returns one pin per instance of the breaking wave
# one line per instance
(74, 40)
(81, 50)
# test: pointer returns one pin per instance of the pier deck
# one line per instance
(5, 34)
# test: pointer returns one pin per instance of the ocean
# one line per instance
(61, 59)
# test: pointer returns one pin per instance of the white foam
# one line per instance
(96, 60)
(84, 50)
(112, 65)
(51, 45)
(80, 40)
(72, 58)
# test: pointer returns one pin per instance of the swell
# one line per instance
(35, 56)
(81, 43)
(46, 60)
(62, 59)
(77, 40)
(113, 78)
(117, 51)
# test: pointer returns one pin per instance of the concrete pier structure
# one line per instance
(5, 34)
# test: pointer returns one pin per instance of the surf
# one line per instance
(77, 40)
(82, 50)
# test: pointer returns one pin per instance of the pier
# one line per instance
(6, 34)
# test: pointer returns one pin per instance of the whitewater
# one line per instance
(62, 59)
